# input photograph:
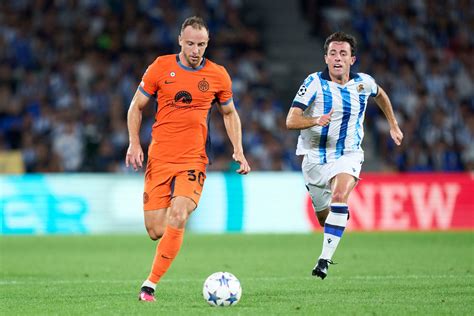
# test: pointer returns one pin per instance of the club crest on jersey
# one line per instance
(172, 74)
(360, 87)
(203, 85)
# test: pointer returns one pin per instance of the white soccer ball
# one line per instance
(222, 289)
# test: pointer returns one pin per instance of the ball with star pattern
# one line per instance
(222, 289)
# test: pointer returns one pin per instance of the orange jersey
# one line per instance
(184, 97)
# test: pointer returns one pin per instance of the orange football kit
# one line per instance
(177, 155)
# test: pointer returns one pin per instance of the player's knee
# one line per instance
(177, 218)
(155, 233)
(339, 197)
(153, 236)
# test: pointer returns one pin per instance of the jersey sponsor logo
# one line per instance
(182, 97)
(302, 90)
(168, 81)
(203, 85)
(182, 100)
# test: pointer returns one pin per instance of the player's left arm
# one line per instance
(234, 131)
(385, 105)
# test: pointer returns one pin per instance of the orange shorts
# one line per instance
(164, 181)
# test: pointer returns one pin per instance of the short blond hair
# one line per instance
(195, 22)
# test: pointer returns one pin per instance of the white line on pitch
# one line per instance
(368, 277)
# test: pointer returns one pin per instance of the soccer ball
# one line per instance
(222, 289)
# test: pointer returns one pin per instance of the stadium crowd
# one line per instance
(68, 70)
(421, 53)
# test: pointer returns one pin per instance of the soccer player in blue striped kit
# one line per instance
(329, 110)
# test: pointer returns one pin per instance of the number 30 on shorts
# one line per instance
(200, 177)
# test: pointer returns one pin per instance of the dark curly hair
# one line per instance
(341, 37)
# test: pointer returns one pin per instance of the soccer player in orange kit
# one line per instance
(185, 85)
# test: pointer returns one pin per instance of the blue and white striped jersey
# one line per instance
(316, 96)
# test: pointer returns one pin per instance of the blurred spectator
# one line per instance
(418, 51)
(68, 71)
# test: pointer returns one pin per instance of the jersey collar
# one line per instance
(203, 63)
(325, 75)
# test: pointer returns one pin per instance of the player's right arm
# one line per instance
(303, 99)
(134, 155)
(296, 120)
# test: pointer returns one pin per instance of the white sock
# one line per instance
(333, 229)
(149, 284)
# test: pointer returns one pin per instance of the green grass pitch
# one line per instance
(422, 273)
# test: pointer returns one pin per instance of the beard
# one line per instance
(193, 62)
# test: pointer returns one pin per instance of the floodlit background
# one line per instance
(72, 239)
(68, 70)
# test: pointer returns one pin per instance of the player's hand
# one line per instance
(396, 135)
(134, 156)
(325, 119)
(244, 165)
